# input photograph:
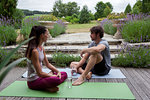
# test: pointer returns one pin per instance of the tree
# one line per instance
(137, 6)
(145, 6)
(135, 10)
(107, 11)
(72, 8)
(100, 6)
(109, 5)
(84, 16)
(61, 9)
(128, 9)
(8, 7)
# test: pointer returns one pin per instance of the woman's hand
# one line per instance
(59, 75)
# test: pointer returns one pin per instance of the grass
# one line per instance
(74, 28)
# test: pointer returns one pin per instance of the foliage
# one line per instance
(108, 27)
(47, 18)
(145, 6)
(27, 25)
(137, 7)
(62, 9)
(64, 60)
(18, 16)
(135, 10)
(100, 7)
(133, 57)
(116, 16)
(84, 16)
(8, 34)
(100, 19)
(73, 19)
(128, 9)
(107, 11)
(7, 8)
(136, 31)
(29, 13)
(59, 28)
(4, 70)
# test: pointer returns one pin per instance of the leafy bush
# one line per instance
(108, 27)
(59, 28)
(136, 31)
(8, 35)
(133, 57)
(116, 16)
(27, 25)
(47, 18)
(63, 60)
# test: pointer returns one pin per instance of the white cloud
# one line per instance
(47, 5)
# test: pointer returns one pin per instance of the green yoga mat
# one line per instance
(87, 90)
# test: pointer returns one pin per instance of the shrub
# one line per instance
(27, 25)
(116, 16)
(136, 31)
(8, 35)
(63, 60)
(133, 57)
(59, 28)
(108, 27)
(47, 18)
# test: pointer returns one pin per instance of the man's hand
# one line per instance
(83, 52)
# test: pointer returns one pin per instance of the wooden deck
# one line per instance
(137, 79)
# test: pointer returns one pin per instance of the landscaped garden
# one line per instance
(15, 27)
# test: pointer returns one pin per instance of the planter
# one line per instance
(117, 23)
(50, 24)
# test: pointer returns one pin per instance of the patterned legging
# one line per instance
(47, 82)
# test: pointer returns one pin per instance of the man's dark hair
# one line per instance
(98, 30)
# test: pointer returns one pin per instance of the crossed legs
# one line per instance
(94, 59)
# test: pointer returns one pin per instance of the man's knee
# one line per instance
(98, 57)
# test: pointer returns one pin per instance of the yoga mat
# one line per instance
(86, 90)
(114, 73)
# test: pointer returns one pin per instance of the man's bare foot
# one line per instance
(79, 81)
(53, 89)
(89, 75)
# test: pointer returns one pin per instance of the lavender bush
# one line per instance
(136, 31)
(108, 27)
(7, 31)
(59, 28)
(27, 25)
(133, 56)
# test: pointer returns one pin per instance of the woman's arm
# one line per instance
(50, 66)
(36, 64)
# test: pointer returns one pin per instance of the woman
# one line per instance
(37, 79)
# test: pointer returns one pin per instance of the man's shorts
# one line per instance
(100, 69)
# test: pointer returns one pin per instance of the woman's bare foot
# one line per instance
(53, 89)
(79, 81)
(89, 75)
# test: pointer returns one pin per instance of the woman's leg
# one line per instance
(48, 82)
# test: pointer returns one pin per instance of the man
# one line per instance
(97, 54)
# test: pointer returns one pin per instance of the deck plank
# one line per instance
(137, 79)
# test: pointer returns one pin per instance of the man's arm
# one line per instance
(93, 50)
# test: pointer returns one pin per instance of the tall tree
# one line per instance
(84, 16)
(59, 9)
(62, 9)
(128, 9)
(72, 8)
(107, 11)
(100, 6)
(109, 5)
(145, 6)
(8, 7)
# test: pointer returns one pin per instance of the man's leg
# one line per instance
(94, 59)
(80, 70)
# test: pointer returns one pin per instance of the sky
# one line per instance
(47, 5)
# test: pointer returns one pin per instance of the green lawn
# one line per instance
(74, 28)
